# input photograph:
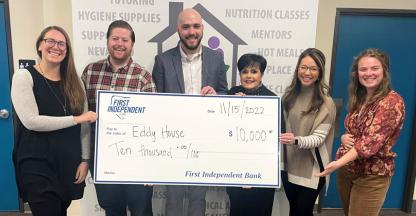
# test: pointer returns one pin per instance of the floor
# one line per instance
(326, 212)
(74, 210)
(338, 212)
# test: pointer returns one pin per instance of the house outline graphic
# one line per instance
(176, 7)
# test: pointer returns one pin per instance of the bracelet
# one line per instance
(85, 160)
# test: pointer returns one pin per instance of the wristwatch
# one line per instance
(296, 141)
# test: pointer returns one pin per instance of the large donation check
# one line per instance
(173, 139)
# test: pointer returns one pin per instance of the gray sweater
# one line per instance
(313, 130)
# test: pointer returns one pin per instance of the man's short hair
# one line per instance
(121, 24)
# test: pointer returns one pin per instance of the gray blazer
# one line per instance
(168, 75)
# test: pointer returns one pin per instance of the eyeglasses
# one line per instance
(51, 42)
(304, 68)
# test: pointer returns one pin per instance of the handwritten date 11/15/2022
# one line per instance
(229, 108)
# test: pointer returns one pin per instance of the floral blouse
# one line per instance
(375, 128)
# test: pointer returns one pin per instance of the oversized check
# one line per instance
(170, 139)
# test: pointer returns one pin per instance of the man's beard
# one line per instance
(191, 47)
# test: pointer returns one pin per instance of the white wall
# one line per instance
(24, 28)
(27, 20)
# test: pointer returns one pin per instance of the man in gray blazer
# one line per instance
(189, 68)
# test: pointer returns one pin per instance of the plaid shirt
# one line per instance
(100, 76)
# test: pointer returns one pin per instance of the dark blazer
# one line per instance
(168, 75)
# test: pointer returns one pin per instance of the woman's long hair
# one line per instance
(71, 84)
(320, 88)
(357, 91)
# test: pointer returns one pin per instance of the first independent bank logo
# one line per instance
(120, 106)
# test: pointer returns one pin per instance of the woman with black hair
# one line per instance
(248, 200)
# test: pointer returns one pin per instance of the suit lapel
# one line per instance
(177, 65)
(204, 68)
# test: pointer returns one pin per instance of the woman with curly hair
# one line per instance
(372, 127)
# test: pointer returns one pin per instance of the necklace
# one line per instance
(63, 104)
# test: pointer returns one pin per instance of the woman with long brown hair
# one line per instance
(372, 127)
(307, 143)
(51, 147)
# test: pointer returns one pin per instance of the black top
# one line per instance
(256, 201)
(59, 149)
(262, 90)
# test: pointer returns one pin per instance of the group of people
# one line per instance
(55, 110)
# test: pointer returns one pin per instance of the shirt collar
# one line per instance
(121, 69)
(191, 56)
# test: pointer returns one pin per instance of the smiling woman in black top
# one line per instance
(251, 201)
(251, 67)
(51, 149)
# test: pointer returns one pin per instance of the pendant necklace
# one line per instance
(63, 104)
